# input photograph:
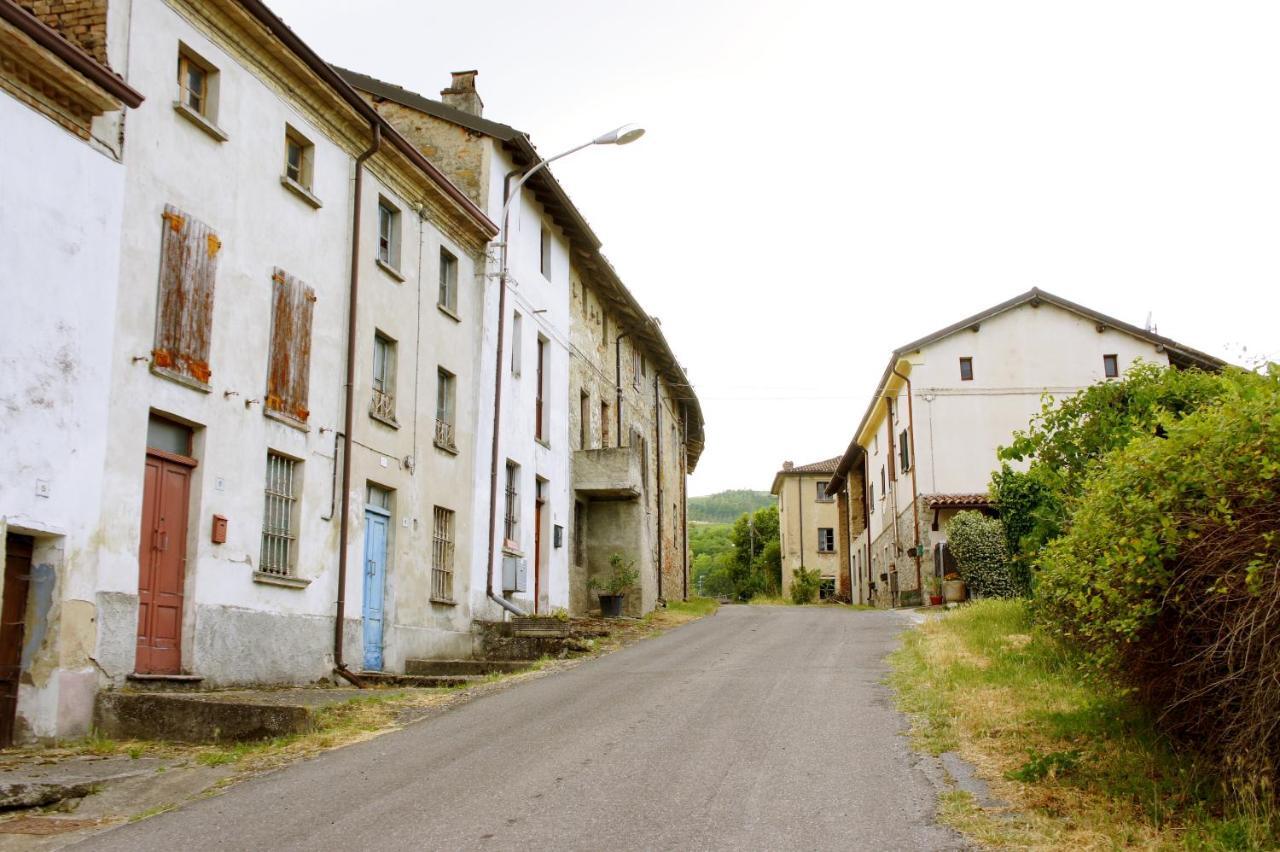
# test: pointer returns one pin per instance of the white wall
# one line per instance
(60, 214)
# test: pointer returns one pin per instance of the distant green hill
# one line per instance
(725, 507)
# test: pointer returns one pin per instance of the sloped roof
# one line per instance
(943, 501)
(820, 467)
(1179, 355)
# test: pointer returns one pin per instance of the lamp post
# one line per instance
(623, 135)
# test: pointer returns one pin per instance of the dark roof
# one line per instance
(821, 467)
(1179, 355)
(583, 241)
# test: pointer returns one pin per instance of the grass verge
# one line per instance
(1080, 765)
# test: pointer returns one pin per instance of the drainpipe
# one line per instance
(866, 518)
(497, 405)
(657, 470)
(344, 524)
(915, 494)
(617, 381)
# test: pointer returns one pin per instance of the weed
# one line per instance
(1055, 764)
(135, 752)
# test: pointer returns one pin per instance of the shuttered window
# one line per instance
(184, 319)
(289, 364)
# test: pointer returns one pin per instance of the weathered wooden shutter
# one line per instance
(289, 366)
(184, 323)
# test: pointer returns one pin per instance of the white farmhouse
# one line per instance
(926, 446)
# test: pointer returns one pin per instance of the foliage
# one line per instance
(984, 681)
(804, 585)
(623, 576)
(1069, 438)
(1169, 573)
(712, 556)
(726, 506)
(978, 544)
(741, 560)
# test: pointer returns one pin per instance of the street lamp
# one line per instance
(624, 135)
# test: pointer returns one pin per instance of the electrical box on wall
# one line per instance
(557, 536)
(219, 535)
(515, 574)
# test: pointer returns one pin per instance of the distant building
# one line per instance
(808, 526)
(926, 446)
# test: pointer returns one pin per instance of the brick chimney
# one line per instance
(462, 93)
(788, 465)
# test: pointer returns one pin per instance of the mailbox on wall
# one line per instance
(515, 574)
(219, 535)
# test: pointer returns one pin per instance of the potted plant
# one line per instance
(935, 590)
(953, 588)
(622, 577)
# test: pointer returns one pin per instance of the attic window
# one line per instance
(966, 369)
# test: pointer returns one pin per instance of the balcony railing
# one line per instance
(382, 405)
(444, 434)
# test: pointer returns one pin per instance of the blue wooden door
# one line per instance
(375, 572)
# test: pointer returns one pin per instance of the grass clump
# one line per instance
(1080, 763)
(694, 606)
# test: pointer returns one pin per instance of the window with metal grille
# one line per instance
(279, 532)
(511, 520)
(383, 404)
(442, 556)
(826, 540)
(445, 394)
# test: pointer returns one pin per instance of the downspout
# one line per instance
(915, 494)
(657, 471)
(497, 407)
(344, 524)
(617, 382)
(893, 486)
(684, 492)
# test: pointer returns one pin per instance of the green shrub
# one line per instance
(1169, 573)
(978, 544)
(805, 583)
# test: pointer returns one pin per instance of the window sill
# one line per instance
(444, 309)
(543, 442)
(277, 580)
(451, 450)
(300, 191)
(214, 131)
(180, 378)
(390, 270)
(443, 601)
(509, 548)
(281, 417)
(386, 421)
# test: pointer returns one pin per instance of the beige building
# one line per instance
(808, 526)
(926, 446)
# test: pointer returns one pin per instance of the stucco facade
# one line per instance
(808, 524)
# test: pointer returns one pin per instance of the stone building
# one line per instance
(808, 526)
(926, 446)
(283, 292)
(598, 441)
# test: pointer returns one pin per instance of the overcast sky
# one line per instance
(822, 182)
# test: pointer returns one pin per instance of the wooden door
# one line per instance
(375, 572)
(17, 577)
(162, 562)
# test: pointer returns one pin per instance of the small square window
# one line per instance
(826, 540)
(821, 495)
(1111, 366)
(966, 369)
(448, 297)
(298, 157)
(195, 83)
(388, 234)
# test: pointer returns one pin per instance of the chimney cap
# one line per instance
(786, 465)
(462, 93)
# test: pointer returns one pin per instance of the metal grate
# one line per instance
(442, 556)
(444, 434)
(511, 527)
(278, 534)
(382, 405)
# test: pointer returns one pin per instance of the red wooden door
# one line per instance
(162, 557)
(17, 577)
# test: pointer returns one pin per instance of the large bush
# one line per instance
(1169, 572)
(805, 583)
(978, 544)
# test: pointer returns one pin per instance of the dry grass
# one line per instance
(1080, 765)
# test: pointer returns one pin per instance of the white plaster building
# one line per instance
(926, 446)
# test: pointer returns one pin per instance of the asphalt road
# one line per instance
(758, 728)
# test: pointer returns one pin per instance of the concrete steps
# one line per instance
(463, 668)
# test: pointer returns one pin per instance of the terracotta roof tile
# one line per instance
(946, 500)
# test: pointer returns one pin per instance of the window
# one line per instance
(871, 499)
(1110, 366)
(383, 405)
(184, 326)
(904, 452)
(584, 419)
(545, 253)
(448, 298)
(299, 155)
(442, 556)
(193, 82)
(604, 424)
(579, 533)
(875, 443)
(279, 521)
(883, 489)
(821, 496)
(511, 520)
(539, 406)
(826, 540)
(636, 359)
(516, 323)
(388, 235)
(378, 497)
(966, 369)
(289, 359)
(826, 588)
(446, 390)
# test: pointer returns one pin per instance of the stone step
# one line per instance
(414, 680)
(464, 668)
